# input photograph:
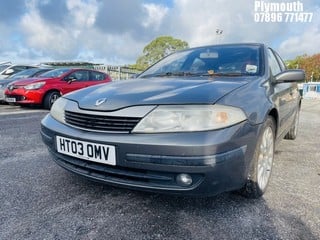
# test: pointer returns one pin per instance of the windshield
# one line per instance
(3, 67)
(223, 60)
(25, 73)
(55, 73)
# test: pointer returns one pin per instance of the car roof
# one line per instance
(24, 65)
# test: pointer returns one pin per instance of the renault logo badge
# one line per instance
(100, 101)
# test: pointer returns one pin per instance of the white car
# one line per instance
(8, 69)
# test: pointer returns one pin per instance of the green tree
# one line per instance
(157, 49)
(310, 64)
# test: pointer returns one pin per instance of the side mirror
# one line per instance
(8, 72)
(295, 75)
(70, 79)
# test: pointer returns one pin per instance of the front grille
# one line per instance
(101, 123)
(13, 87)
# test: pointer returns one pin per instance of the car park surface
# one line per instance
(199, 122)
(39, 200)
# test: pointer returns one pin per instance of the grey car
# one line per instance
(199, 122)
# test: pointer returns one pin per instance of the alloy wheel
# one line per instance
(265, 158)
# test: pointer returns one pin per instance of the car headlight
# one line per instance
(34, 86)
(189, 118)
(57, 109)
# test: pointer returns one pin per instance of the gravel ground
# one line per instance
(40, 200)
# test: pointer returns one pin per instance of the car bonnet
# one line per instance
(155, 91)
(26, 81)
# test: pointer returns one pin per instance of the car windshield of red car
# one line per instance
(55, 73)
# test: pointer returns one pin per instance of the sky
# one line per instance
(114, 32)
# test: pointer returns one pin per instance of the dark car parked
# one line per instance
(199, 122)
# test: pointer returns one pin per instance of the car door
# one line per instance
(294, 90)
(96, 78)
(76, 80)
(282, 93)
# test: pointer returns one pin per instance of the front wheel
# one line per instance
(261, 167)
(50, 98)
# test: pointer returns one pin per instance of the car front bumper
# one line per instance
(217, 161)
(23, 96)
(2, 96)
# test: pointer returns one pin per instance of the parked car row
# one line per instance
(31, 72)
(42, 86)
(7, 69)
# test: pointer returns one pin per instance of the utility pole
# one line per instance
(219, 33)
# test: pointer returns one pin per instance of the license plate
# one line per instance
(11, 100)
(95, 152)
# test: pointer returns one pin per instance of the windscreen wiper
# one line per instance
(223, 74)
(197, 74)
(169, 74)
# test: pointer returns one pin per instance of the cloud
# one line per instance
(82, 14)
(92, 29)
(116, 31)
(47, 38)
(80, 39)
(119, 16)
(11, 10)
(155, 15)
(304, 41)
(53, 11)
(198, 21)
(301, 44)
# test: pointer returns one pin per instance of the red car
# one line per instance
(46, 88)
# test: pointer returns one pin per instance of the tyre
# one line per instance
(292, 134)
(50, 98)
(261, 166)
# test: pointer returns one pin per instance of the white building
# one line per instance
(311, 90)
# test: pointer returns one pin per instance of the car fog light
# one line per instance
(184, 179)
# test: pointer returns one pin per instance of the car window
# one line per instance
(80, 75)
(41, 71)
(14, 69)
(19, 68)
(3, 67)
(280, 61)
(273, 63)
(228, 59)
(198, 65)
(97, 76)
(55, 73)
(24, 73)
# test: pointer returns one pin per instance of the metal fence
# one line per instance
(118, 72)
